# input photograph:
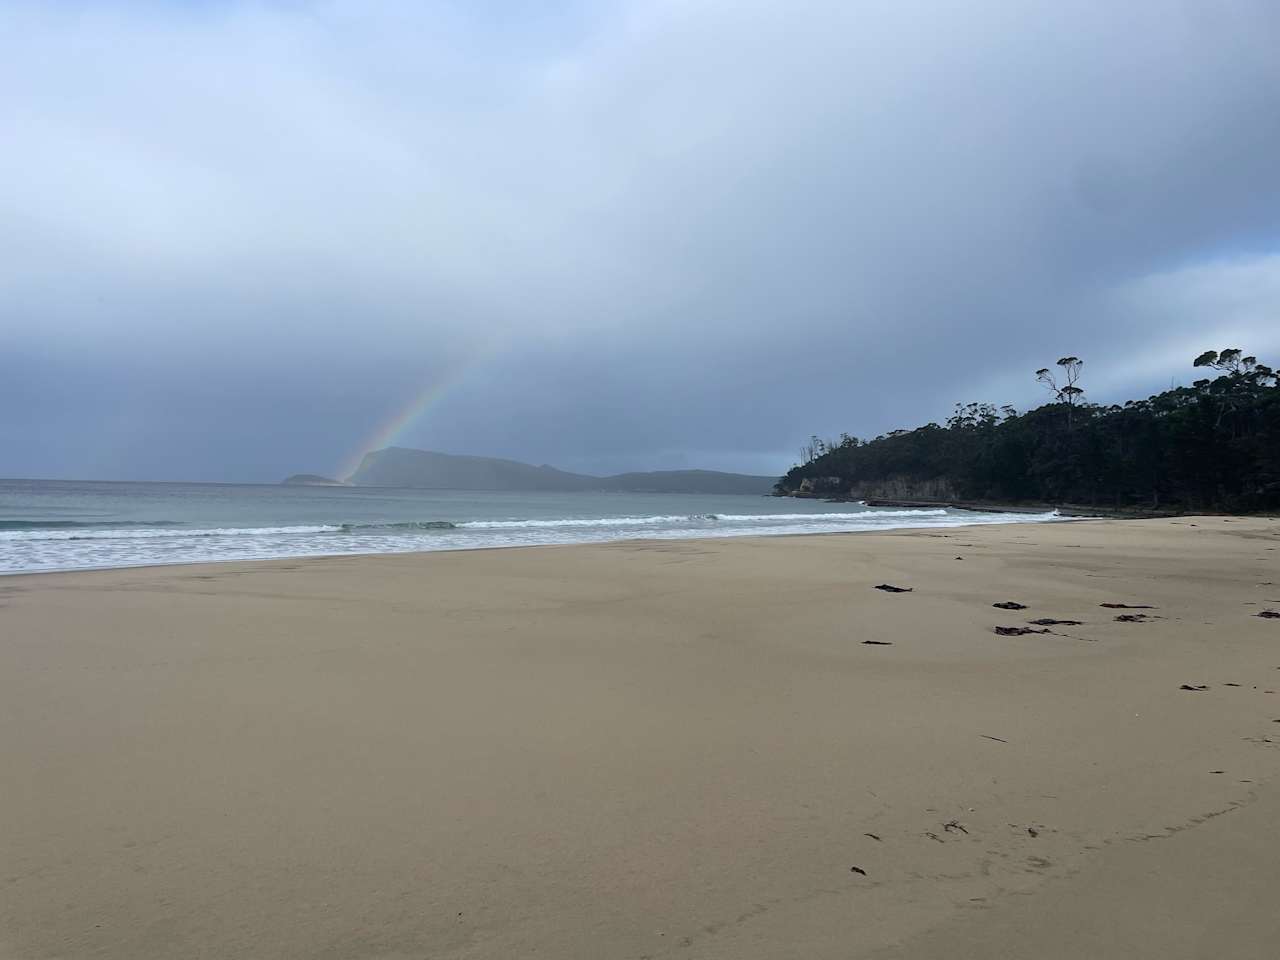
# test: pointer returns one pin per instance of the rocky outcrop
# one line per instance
(938, 489)
(903, 488)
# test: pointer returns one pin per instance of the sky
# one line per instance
(240, 240)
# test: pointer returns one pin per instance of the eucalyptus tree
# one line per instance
(1065, 390)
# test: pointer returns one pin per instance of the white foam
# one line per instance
(860, 516)
(161, 533)
(31, 550)
(515, 524)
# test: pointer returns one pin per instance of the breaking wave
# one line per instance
(406, 525)
(861, 516)
(152, 533)
(52, 544)
(82, 525)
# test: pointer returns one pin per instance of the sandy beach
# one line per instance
(699, 749)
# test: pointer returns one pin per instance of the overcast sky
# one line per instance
(239, 238)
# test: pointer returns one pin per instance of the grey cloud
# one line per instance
(675, 233)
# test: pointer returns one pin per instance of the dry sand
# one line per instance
(653, 749)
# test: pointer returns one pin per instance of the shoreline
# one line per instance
(655, 747)
(532, 546)
(995, 506)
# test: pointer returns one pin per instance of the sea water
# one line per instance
(68, 525)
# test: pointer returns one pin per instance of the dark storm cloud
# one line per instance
(240, 236)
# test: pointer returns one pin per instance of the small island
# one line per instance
(432, 470)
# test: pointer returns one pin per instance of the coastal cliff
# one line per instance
(1211, 446)
(935, 490)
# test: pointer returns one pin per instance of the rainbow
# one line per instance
(386, 434)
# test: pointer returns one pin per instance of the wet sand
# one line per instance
(654, 749)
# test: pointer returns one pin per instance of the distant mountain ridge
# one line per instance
(426, 469)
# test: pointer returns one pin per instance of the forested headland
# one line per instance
(1214, 445)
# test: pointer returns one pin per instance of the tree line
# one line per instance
(1214, 445)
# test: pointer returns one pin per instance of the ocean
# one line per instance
(67, 525)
